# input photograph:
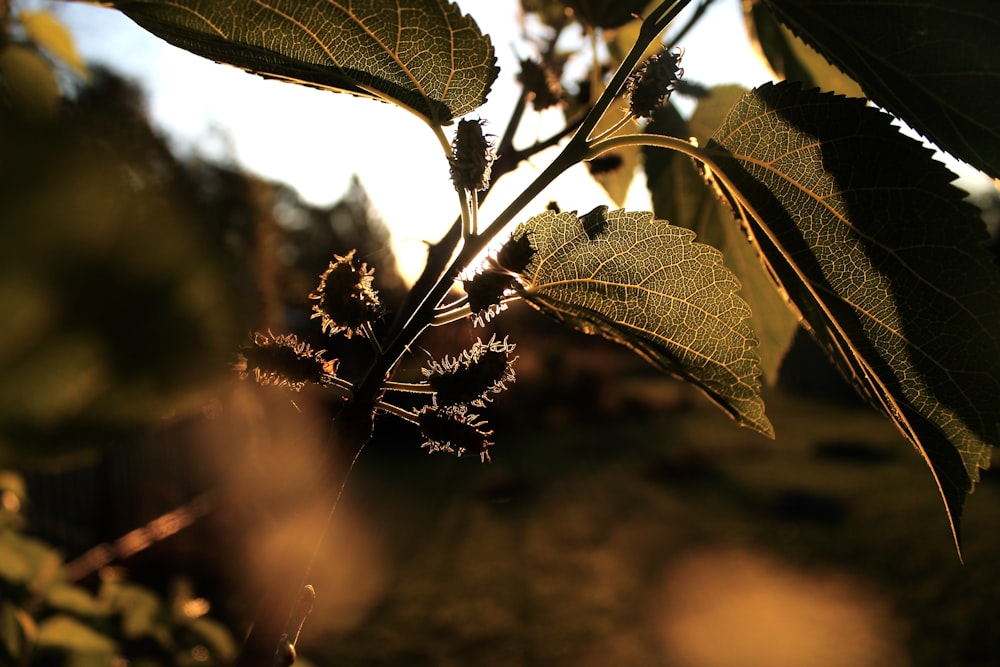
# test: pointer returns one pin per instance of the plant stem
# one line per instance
(575, 150)
(655, 140)
(398, 411)
(411, 387)
(352, 425)
(450, 315)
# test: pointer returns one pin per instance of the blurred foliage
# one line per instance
(119, 305)
(38, 58)
(47, 619)
(127, 275)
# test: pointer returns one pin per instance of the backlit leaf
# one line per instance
(884, 260)
(421, 54)
(647, 285)
(679, 194)
(933, 64)
(48, 32)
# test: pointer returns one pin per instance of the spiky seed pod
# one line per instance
(541, 83)
(500, 276)
(454, 430)
(345, 298)
(473, 376)
(516, 253)
(284, 361)
(472, 156)
(651, 84)
(485, 291)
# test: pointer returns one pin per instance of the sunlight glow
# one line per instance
(315, 141)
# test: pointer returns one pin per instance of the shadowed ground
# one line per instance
(675, 540)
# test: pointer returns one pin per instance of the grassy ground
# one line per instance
(678, 539)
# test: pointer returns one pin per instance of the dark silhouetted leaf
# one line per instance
(883, 259)
(607, 13)
(789, 57)
(933, 64)
(422, 54)
(679, 194)
(647, 285)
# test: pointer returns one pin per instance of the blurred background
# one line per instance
(156, 208)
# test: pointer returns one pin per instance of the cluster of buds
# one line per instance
(473, 376)
(650, 85)
(500, 277)
(458, 384)
(455, 430)
(346, 301)
(472, 156)
(284, 361)
(541, 83)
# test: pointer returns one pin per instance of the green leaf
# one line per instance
(679, 194)
(27, 561)
(884, 260)
(47, 31)
(17, 633)
(143, 614)
(217, 637)
(789, 57)
(933, 64)
(424, 55)
(66, 634)
(647, 285)
(75, 600)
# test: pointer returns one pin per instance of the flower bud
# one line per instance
(651, 84)
(454, 430)
(484, 369)
(472, 156)
(346, 300)
(499, 278)
(541, 83)
(284, 361)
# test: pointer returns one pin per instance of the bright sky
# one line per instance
(315, 140)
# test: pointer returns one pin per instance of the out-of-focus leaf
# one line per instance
(27, 561)
(29, 81)
(17, 632)
(143, 614)
(933, 64)
(607, 13)
(789, 57)
(647, 285)
(13, 483)
(75, 600)
(216, 637)
(885, 261)
(615, 170)
(118, 304)
(679, 194)
(48, 32)
(424, 55)
(77, 641)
